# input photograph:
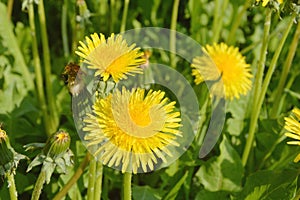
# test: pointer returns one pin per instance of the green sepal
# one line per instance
(33, 146)
(64, 161)
(38, 160)
(48, 168)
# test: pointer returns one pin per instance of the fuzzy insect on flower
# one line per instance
(112, 57)
(292, 125)
(229, 65)
(133, 130)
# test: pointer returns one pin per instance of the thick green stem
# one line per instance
(98, 182)
(257, 87)
(216, 18)
(262, 93)
(112, 15)
(12, 186)
(92, 178)
(218, 23)
(236, 23)
(273, 63)
(39, 185)
(37, 68)
(124, 17)
(10, 5)
(53, 120)
(74, 178)
(127, 186)
(173, 34)
(286, 68)
(255, 44)
(64, 33)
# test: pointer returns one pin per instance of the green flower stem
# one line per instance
(64, 33)
(274, 62)
(53, 120)
(263, 91)
(37, 68)
(216, 17)
(237, 20)
(10, 5)
(262, 59)
(74, 178)
(92, 178)
(127, 186)
(254, 44)
(112, 15)
(12, 186)
(173, 34)
(202, 126)
(286, 68)
(124, 16)
(39, 185)
(257, 86)
(105, 187)
(98, 182)
(218, 22)
(297, 196)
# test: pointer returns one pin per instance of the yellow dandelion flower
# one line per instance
(265, 2)
(133, 130)
(231, 67)
(111, 57)
(90, 44)
(292, 125)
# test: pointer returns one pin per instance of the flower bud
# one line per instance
(6, 153)
(57, 144)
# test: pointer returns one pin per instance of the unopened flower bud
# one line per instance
(57, 144)
(6, 154)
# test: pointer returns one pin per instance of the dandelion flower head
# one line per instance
(112, 57)
(133, 130)
(231, 68)
(292, 125)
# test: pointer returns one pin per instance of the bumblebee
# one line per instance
(73, 78)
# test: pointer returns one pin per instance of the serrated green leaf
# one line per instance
(18, 79)
(222, 173)
(206, 195)
(271, 185)
(258, 192)
(235, 126)
(145, 193)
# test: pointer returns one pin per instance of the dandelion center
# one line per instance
(62, 137)
(139, 114)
